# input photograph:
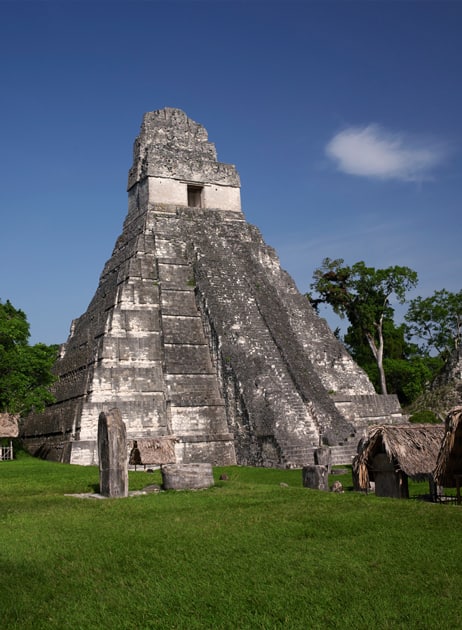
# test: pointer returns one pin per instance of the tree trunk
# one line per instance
(378, 354)
(383, 382)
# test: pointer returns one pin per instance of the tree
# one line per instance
(362, 294)
(437, 321)
(407, 370)
(25, 371)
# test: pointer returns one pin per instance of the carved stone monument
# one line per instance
(315, 477)
(187, 476)
(323, 457)
(196, 332)
(112, 455)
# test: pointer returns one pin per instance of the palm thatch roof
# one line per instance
(412, 448)
(449, 461)
(9, 427)
(152, 451)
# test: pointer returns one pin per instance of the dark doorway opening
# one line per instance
(195, 196)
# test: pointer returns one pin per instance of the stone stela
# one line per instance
(196, 332)
(112, 455)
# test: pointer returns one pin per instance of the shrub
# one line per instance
(424, 416)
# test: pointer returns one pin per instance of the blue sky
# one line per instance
(342, 118)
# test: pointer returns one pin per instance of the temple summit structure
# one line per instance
(197, 335)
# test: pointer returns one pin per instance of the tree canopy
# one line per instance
(389, 353)
(436, 321)
(363, 294)
(25, 371)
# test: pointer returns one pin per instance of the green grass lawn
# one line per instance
(247, 553)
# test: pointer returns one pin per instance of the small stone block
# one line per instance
(315, 477)
(187, 476)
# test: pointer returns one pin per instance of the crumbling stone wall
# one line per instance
(196, 332)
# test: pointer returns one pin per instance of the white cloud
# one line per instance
(371, 151)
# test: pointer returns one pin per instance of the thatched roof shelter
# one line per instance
(449, 462)
(152, 451)
(411, 449)
(9, 427)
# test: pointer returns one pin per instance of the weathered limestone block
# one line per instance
(182, 329)
(315, 477)
(323, 457)
(188, 359)
(153, 452)
(216, 449)
(187, 476)
(112, 453)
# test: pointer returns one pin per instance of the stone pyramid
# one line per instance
(195, 332)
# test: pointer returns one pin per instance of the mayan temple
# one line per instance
(195, 331)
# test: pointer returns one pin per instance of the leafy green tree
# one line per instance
(407, 370)
(25, 371)
(409, 378)
(437, 321)
(395, 345)
(362, 294)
